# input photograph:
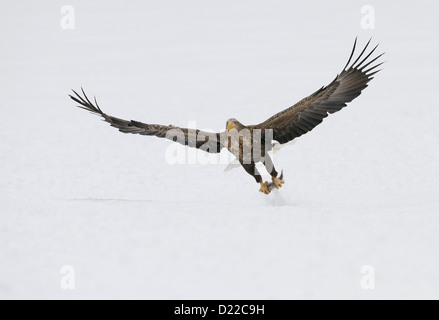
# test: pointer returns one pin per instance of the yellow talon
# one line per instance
(278, 182)
(264, 187)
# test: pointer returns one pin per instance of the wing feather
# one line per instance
(206, 141)
(308, 113)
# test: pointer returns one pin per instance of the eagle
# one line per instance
(250, 144)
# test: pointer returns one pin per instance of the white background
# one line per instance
(361, 189)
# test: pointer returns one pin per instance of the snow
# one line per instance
(361, 189)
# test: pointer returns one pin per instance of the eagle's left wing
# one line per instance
(310, 112)
(206, 141)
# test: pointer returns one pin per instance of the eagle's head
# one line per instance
(233, 124)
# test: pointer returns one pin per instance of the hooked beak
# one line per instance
(230, 126)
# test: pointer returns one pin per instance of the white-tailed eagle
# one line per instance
(251, 143)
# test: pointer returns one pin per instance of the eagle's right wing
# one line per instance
(206, 141)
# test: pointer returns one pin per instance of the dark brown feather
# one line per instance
(310, 111)
(206, 141)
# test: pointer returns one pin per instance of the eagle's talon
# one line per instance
(264, 187)
(277, 182)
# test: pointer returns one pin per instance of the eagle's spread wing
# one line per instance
(206, 141)
(310, 112)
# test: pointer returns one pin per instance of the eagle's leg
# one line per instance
(251, 169)
(268, 163)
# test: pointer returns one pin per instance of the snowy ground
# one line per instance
(362, 188)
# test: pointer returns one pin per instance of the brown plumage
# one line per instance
(283, 127)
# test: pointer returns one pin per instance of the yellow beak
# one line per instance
(230, 126)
